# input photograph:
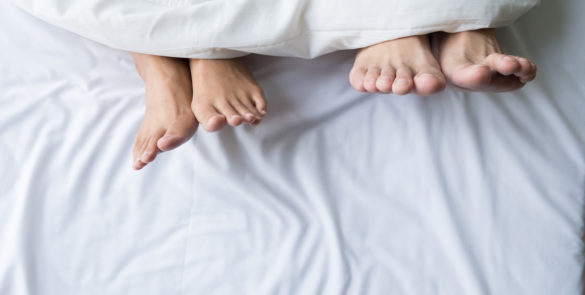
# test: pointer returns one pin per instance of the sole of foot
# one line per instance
(475, 61)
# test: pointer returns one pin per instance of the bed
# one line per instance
(336, 192)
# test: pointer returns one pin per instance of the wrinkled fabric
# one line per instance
(335, 192)
(297, 28)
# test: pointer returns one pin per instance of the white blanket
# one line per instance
(300, 28)
(336, 192)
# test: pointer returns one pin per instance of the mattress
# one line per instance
(336, 192)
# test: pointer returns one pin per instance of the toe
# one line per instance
(226, 109)
(429, 79)
(259, 102)
(403, 82)
(145, 149)
(463, 71)
(138, 165)
(178, 133)
(209, 117)
(248, 112)
(215, 123)
(384, 82)
(427, 83)
(502, 63)
(532, 75)
(235, 120)
(246, 104)
(144, 152)
(150, 151)
(527, 71)
(356, 77)
(371, 78)
(139, 147)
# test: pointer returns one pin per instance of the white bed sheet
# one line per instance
(336, 192)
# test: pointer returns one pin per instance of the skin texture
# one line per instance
(474, 61)
(471, 60)
(225, 92)
(168, 120)
(181, 93)
(400, 66)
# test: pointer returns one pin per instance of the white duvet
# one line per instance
(299, 28)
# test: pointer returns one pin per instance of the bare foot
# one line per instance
(400, 66)
(474, 60)
(168, 121)
(224, 91)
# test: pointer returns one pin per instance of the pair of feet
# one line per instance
(180, 94)
(471, 60)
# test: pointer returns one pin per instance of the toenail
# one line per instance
(263, 112)
(250, 117)
(509, 58)
(235, 117)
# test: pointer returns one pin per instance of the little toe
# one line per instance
(468, 75)
(403, 82)
(527, 71)
(357, 76)
(371, 78)
(259, 103)
(384, 82)
(209, 117)
(246, 108)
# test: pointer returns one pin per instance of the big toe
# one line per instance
(471, 76)
(357, 76)
(178, 133)
(145, 149)
(429, 82)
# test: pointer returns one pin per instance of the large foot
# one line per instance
(474, 60)
(168, 121)
(399, 66)
(224, 91)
